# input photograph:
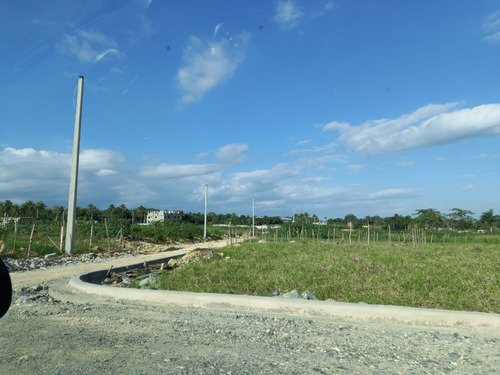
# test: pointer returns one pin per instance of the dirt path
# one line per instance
(35, 277)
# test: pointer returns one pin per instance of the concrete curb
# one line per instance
(295, 307)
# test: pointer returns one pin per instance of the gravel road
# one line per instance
(50, 329)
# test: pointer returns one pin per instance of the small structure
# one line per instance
(171, 215)
(5, 220)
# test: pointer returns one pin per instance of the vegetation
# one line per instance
(95, 227)
(456, 276)
(429, 259)
(32, 228)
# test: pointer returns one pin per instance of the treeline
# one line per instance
(431, 219)
(113, 213)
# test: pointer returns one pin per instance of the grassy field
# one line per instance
(454, 276)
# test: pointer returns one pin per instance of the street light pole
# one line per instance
(73, 183)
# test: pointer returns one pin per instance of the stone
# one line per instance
(148, 280)
(291, 294)
(174, 263)
(308, 295)
(127, 281)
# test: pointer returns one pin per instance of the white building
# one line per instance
(172, 215)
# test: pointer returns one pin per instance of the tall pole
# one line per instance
(205, 224)
(253, 216)
(73, 183)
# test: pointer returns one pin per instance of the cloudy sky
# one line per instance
(326, 107)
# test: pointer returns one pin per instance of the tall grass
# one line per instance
(447, 276)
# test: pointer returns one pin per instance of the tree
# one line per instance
(398, 222)
(461, 219)
(57, 213)
(6, 208)
(123, 212)
(28, 209)
(41, 210)
(430, 218)
(110, 211)
(351, 218)
(139, 213)
(487, 218)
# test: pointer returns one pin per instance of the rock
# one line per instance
(291, 294)
(295, 294)
(127, 281)
(308, 295)
(22, 299)
(174, 263)
(147, 281)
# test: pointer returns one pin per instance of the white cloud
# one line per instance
(201, 155)
(468, 187)
(232, 153)
(405, 164)
(395, 193)
(98, 159)
(315, 179)
(493, 38)
(208, 65)
(355, 168)
(40, 175)
(287, 14)
(491, 26)
(325, 148)
(105, 172)
(485, 155)
(88, 46)
(178, 170)
(304, 142)
(273, 203)
(428, 126)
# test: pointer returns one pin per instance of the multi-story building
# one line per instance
(172, 215)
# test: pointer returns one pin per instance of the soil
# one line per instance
(50, 329)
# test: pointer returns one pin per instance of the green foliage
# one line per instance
(447, 276)
(169, 230)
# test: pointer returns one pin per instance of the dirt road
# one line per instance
(35, 277)
(56, 330)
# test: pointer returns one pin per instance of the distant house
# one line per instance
(5, 220)
(171, 215)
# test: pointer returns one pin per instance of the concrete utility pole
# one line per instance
(73, 183)
(253, 216)
(205, 224)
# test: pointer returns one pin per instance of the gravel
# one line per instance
(53, 260)
(50, 329)
(49, 332)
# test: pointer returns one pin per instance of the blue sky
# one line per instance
(327, 107)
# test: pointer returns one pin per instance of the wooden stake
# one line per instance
(107, 234)
(31, 238)
(91, 235)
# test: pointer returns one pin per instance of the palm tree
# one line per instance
(489, 219)
(41, 210)
(28, 209)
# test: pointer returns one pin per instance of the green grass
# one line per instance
(446, 276)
